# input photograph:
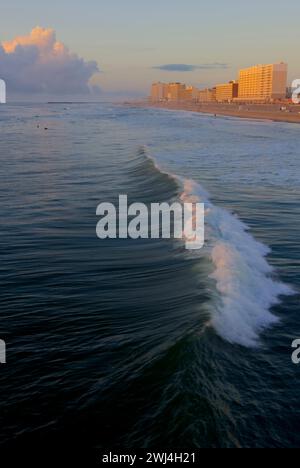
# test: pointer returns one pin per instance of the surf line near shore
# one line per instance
(271, 112)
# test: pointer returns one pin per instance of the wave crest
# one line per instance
(244, 282)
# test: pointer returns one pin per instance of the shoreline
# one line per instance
(271, 112)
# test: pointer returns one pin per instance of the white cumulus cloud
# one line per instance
(39, 63)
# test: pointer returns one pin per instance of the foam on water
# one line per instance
(243, 276)
(244, 279)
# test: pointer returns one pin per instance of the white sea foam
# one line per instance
(244, 279)
(247, 290)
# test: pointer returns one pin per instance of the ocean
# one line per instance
(141, 343)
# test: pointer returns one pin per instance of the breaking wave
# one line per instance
(245, 282)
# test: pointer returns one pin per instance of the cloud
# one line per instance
(38, 63)
(183, 67)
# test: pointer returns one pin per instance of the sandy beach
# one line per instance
(273, 112)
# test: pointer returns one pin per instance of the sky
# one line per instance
(122, 46)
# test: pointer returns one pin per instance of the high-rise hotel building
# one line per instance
(173, 92)
(227, 92)
(263, 82)
(176, 92)
(159, 92)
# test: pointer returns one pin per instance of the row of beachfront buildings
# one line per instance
(263, 83)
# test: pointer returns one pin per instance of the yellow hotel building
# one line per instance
(263, 82)
(207, 95)
(227, 92)
(176, 92)
(159, 92)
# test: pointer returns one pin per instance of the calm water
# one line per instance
(142, 344)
